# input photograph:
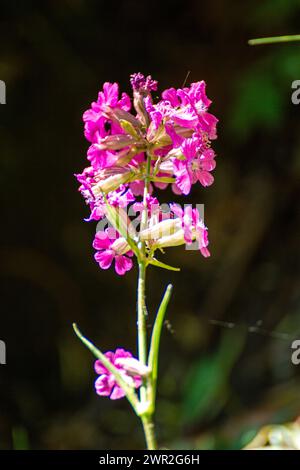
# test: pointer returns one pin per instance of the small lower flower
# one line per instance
(110, 246)
(106, 384)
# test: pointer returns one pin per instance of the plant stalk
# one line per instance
(145, 391)
(149, 432)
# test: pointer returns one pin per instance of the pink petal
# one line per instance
(156, 118)
(205, 178)
(102, 386)
(208, 165)
(161, 185)
(122, 264)
(189, 148)
(101, 241)
(186, 119)
(177, 210)
(137, 187)
(187, 234)
(111, 91)
(187, 224)
(175, 189)
(124, 102)
(104, 258)
(120, 352)
(205, 252)
(99, 367)
(112, 234)
(117, 393)
(171, 95)
(183, 182)
(176, 139)
(208, 123)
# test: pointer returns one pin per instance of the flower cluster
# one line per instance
(150, 144)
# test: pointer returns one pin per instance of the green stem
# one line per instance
(142, 330)
(145, 391)
(155, 341)
(149, 432)
(274, 40)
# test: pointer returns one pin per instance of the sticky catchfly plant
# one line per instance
(136, 147)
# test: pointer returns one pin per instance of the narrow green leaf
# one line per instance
(155, 339)
(159, 264)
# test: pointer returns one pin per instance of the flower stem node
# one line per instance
(144, 408)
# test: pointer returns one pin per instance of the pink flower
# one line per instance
(97, 125)
(198, 163)
(106, 384)
(100, 158)
(110, 246)
(193, 227)
(190, 108)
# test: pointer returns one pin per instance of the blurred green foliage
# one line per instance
(207, 385)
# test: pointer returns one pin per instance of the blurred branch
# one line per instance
(273, 40)
(277, 437)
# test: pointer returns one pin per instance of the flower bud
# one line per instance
(129, 128)
(139, 105)
(171, 240)
(118, 114)
(133, 367)
(112, 182)
(162, 229)
(116, 142)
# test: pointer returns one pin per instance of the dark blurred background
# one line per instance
(225, 365)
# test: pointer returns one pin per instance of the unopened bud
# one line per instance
(112, 182)
(172, 240)
(133, 367)
(129, 128)
(118, 114)
(116, 142)
(165, 228)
